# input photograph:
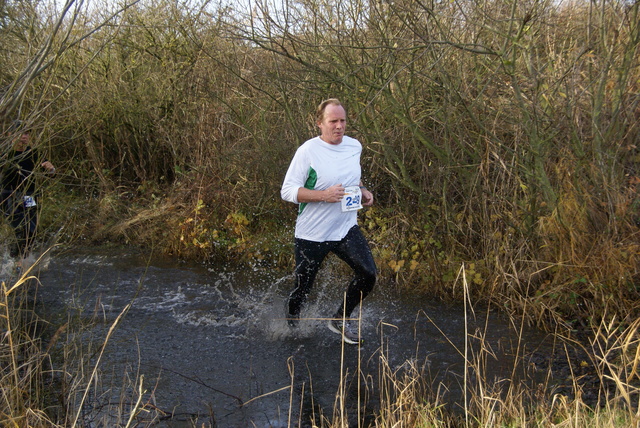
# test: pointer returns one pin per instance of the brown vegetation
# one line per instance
(499, 136)
(502, 137)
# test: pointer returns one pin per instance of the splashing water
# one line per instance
(213, 335)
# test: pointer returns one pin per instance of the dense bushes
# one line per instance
(498, 136)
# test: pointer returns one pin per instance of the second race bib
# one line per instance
(29, 201)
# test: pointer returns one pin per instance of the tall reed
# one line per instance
(25, 364)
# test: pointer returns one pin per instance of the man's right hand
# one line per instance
(334, 193)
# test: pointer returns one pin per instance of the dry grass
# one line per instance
(502, 137)
(22, 362)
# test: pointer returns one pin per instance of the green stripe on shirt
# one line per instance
(310, 184)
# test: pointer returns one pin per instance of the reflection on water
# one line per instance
(212, 343)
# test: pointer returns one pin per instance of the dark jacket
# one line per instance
(18, 170)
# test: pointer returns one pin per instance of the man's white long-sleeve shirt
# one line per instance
(318, 165)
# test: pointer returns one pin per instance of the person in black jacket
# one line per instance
(19, 196)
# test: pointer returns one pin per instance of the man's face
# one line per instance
(22, 143)
(334, 122)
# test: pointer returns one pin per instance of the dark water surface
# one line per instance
(213, 346)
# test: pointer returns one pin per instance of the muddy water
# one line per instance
(214, 348)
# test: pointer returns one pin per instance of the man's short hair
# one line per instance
(16, 125)
(19, 126)
(323, 105)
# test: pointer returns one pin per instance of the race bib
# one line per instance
(352, 200)
(29, 201)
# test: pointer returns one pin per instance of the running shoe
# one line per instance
(346, 330)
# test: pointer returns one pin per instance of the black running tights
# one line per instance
(353, 249)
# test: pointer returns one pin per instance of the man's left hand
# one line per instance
(367, 198)
(48, 166)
